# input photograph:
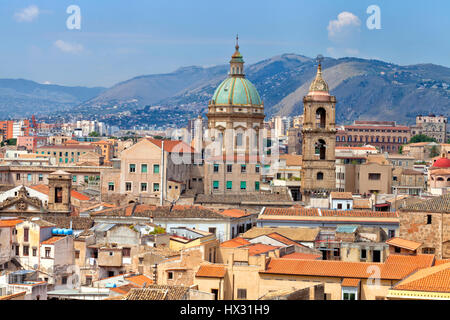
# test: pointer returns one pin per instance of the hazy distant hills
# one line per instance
(22, 98)
(364, 89)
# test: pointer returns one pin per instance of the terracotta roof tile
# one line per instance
(283, 239)
(441, 261)
(172, 145)
(314, 212)
(140, 280)
(234, 243)
(302, 256)
(396, 267)
(433, 279)
(403, 243)
(52, 240)
(350, 282)
(259, 248)
(158, 292)
(8, 223)
(211, 271)
(42, 188)
(293, 233)
(234, 213)
(341, 195)
(436, 204)
(124, 289)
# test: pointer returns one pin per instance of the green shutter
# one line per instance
(216, 184)
(156, 168)
(256, 185)
(243, 185)
(229, 185)
(144, 168)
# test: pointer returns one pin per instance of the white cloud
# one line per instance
(343, 25)
(68, 47)
(27, 14)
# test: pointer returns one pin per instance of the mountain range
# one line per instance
(364, 89)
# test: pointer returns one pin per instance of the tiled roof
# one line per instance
(293, 233)
(350, 282)
(78, 223)
(341, 195)
(172, 145)
(158, 292)
(52, 240)
(410, 172)
(255, 249)
(13, 295)
(436, 204)
(302, 256)
(234, 243)
(211, 271)
(243, 198)
(140, 280)
(438, 262)
(42, 188)
(41, 223)
(8, 223)
(283, 239)
(124, 289)
(403, 243)
(433, 279)
(235, 213)
(315, 212)
(396, 267)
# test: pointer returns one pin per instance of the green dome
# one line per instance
(236, 91)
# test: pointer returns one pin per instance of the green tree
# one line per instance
(400, 149)
(421, 138)
(94, 134)
(434, 152)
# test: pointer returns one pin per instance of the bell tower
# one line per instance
(318, 175)
(59, 184)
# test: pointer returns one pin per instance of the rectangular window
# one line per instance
(41, 177)
(25, 251)
(215, 185)
(257, 168)
(29, 177)
(88, 281)
(374, 176)
(216, 168)
(17, 251)
(257, 185)
(86, 179)
(363, 254)
(170, 275)
(26, 232)
(229, 185)
(34, 252)
(127, 186)
(126, 252)
(17, 176)
(243, 185)
(143, 168)
(132, 168)
(429, 219)
(242, 293)
(144, 187)
(156, 168)
(229, 168)
(58, 195)
(155, 187)
(243, 168)
(47, 252)
(339, 206)
(110, 186)
(64, 280)
(77, 254)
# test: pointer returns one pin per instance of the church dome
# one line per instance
(441, 163)
(236, 91)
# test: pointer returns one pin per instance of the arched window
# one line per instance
(343, 138)
(399, 139)
(405, 140)
(321, 115)
(440, 179)
(349, 139)
(337, 138)
(448, 179)
(320, 149)
(319, 175)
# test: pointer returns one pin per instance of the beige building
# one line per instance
(66, 154)
(142, 174)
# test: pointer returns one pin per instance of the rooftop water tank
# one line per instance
(54, 231)
(69, 231)
(60, 231)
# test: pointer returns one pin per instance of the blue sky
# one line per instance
(121, 39)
